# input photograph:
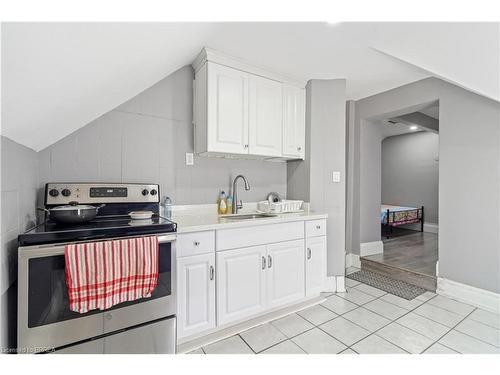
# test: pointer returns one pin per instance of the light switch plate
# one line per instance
(189, 158)
(336, 176)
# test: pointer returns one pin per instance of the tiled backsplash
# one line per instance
(19, 184)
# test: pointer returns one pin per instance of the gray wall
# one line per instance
(311, 179)
(370, 181)
(469, 166)
(410, 172)
(145, 140)
(19, 183)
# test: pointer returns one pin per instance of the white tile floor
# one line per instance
(368, 320)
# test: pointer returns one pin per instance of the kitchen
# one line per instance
(268, 274)
(144, 123)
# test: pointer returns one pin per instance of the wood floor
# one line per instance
(410, 250)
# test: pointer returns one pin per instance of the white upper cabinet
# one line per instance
(227, 105)
(265, 116)
(241, 110)
(294, 128)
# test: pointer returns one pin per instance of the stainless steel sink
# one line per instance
(247, 216)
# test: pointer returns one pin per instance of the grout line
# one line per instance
(391, 321)
(241, 337)
(371, 333)
(451, 329)
(486, 324)
(466, 334)
(289, 338)
(148, 115)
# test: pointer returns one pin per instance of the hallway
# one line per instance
(411, 250)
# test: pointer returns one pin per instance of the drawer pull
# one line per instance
(196, 243)
(263, 263)
(212, 272)
(309, 253)
(318, 226)
(269, 261)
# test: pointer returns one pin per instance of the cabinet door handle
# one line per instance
(263, 263)
(318, 226)
(269, 261)
(212, 272)
(309, 253)
(246, 146)
(196, 243)
(299, 148)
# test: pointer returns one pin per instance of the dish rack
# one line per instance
(280, 207)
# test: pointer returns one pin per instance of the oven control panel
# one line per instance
(89, 193)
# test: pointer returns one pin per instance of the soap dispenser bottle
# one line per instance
(222, 209)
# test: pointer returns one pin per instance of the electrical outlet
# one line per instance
(189, 158)
(336, 176)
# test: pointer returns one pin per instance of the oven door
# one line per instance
(45, 321)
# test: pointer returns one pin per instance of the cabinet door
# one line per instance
(294, 121)
(227, 93)
(285, 279)
(315, 265)
(241, 283)
(266, 116)
(196, 294)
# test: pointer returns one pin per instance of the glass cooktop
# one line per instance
(98, 228)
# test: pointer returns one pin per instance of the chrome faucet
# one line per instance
(237, 205)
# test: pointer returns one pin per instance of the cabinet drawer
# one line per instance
(316, 228)
(259, 235)
(195, 243)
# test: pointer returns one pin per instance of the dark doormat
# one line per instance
(398, 288)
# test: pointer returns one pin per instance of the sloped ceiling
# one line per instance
(57, 77)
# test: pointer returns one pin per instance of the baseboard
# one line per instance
(352, 260)
(340, 284)
(481, 298)
(428, 227)
(330, 284)
(371, 248)
(334, 284)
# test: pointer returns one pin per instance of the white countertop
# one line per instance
(197, 218)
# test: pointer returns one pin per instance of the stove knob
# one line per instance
(153, 192)
(53, 193)
(66, 192)
(145, 192)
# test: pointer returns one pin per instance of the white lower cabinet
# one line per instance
(196, 294)
(285, 273)
(241, 283)
(252, 279)
(315, 265)
(246, 272)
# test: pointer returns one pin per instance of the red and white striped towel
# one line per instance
(100, 275)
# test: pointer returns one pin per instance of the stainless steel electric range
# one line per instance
(45, 322)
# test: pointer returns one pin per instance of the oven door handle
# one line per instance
(58, 249)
